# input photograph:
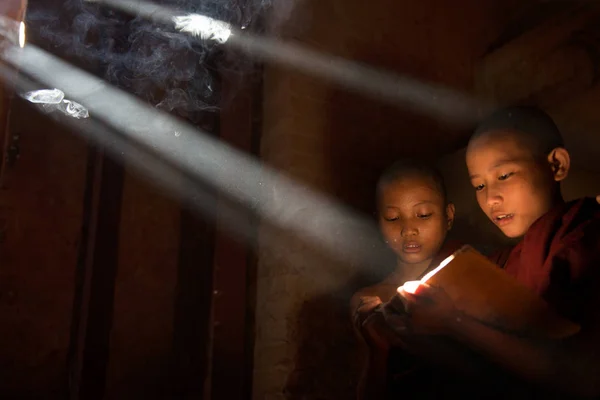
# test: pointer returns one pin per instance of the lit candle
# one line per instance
(412, 286)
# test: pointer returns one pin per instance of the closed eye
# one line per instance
(424, 216)
(391, 219)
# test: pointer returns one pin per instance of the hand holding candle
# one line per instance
(468, 284)
(430, 309)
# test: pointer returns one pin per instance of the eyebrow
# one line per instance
(498, 165)
(424, 202)
(414, 205)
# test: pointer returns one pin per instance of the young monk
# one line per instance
(414, 217)
(516, 161)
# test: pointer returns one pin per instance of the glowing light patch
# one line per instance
(204, 27)
(54, 100)
(73, 109)
(45, 96)
(437, 269)
(412, 286)
(22, 34)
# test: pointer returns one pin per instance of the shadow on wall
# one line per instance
(327, 363)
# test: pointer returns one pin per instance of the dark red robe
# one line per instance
(559, 259)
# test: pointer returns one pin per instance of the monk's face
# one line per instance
(413, 218)
(513, 187)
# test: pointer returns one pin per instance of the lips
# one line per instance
(502, 218)
(411, 247)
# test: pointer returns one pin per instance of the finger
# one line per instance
(598, 198)
(392, 316)
(368, 300)
(370, 319)
(368, 303)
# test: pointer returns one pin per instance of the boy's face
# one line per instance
(413, 218)
(513, 188)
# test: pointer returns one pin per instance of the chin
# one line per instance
(513, 232)
(413, 259)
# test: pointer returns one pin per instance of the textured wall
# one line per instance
(142, 334)
(41, 205)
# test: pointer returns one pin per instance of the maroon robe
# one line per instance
(559, 259)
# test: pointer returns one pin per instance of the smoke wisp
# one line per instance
(167, 68)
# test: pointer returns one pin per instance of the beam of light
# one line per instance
(196, 25)
(152, 167)
(232, 172)
(438, 102)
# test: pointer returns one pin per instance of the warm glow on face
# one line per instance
(22, 34)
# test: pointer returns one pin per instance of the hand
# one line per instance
(430, 308)
(372, 324)
(598, 199)
(365, 309)
(395, 316)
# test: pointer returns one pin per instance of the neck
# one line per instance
(558, 199)
(410, 272)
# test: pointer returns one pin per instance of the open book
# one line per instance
(480, 289)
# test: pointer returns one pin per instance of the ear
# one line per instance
(450, 212)
(560, 162)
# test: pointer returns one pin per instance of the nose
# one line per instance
(409, 230)
(493, 197)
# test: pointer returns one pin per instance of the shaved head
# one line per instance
(516, 161)
(410, 168)
(532, 126)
